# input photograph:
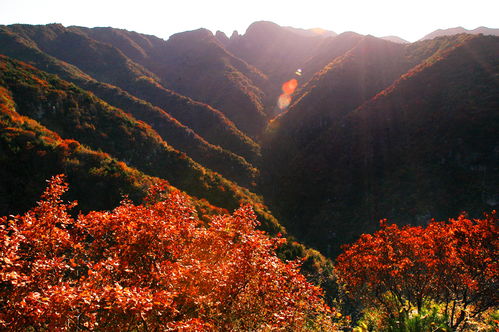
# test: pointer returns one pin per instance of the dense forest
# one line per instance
(237, 184)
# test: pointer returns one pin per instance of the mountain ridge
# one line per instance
(458, 30)
(190, 62)
(381, 161)
(210, 123)
(78, 115)
(169, 128)
(372, 125)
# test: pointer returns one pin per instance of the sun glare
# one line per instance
(288, 88)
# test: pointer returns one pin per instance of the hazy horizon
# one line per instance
(382, 18)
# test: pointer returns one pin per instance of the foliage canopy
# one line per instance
(454, 264)
(148, 267)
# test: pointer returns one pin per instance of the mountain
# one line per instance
(107, 64)
(171, 130)
(222, 38)
(405, 132)
(75, 114)
(327, 51)
(284, 53)
(395, 39)
(50, 126)
(277, 51)
(312, 32)
(458, 30)
(355, 76)
(374, 128)
(30, 154)
(195, 64)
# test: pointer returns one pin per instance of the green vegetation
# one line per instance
(442, 277)
(374, 130)
(108, 64)
(230, 165)
(75, 114)
(30, 154)
(428, 320)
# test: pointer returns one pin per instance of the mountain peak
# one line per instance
(200, 33)
(260, 26)
(222, 37)
(234, 35)
(349, 34)
(395, 39)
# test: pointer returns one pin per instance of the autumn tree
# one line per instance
(148, 267)
(453, 263)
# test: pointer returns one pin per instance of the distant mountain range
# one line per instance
(458, 30)
(313, 32)
(376, 128)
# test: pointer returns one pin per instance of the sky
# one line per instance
(410, 20)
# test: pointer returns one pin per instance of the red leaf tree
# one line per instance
(454, 263)
(148, 267)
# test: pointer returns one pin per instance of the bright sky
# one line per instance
(409, 19)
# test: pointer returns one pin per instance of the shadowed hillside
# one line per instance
(369, 129)
(108, 64)
(75, 114)
(172, 131)
(195, 64)
(276, 51)
(423, 147)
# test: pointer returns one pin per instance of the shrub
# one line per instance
(454, 264)
(154, 266)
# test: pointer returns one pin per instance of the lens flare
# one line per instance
(288, 88)
(283, 101)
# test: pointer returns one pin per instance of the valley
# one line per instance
(271, 150)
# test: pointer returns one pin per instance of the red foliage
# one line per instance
(455, 263)
(154, 266)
